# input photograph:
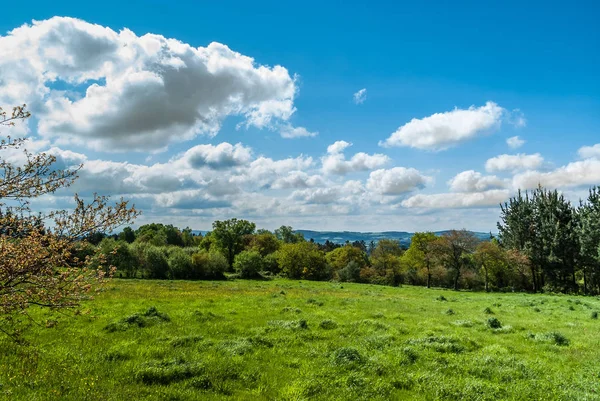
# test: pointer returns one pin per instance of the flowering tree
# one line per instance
(38, 262)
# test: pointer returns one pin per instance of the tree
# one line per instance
(589, 240)
(264, 243)
(127, 235)
(493, 261)
(37, 266)
(303, 260)
(340, 257)
(288, 236)
(229, 236)
(248, 264)
(453, 249)
(420, 253)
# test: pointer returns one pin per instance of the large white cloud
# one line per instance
(472, 181)
(576, 174)
(141, 92)
(517, 162)
(396, 181)
(489, 198)
(223, 155)
(589, 152)
(443, 130)
(335, 162)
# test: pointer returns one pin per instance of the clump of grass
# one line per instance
(167, 372)
(289, 324)
(204, 317)
(409, 355)
(328, 324)
(290, 309)
(488, 311)
(463, 323)
(184, 341)
(594, 315)
(116, 355)
(450, 312)
(537, 309)
(493, 323)
(441, 298)
(347, 356)
(314, 302)
(378, 315)
(552, 337)
(150, 317)
(443, 344)
(571, 308)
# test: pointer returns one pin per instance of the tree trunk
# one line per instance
(428, 276)
(487, 289)
(456, 278)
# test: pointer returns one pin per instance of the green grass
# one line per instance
(291, 340)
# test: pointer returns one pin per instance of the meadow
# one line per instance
(300, 340)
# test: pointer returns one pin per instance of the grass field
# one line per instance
(291, 340)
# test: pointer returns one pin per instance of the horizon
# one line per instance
(420, 116)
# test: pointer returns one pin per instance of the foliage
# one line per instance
(37, 266)
(303, 260)
(229, 236)
(248, 264)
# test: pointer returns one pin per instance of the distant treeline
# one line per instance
(544, 244)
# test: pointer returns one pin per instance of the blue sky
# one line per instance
(537, 64)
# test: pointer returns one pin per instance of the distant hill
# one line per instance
(340, 237)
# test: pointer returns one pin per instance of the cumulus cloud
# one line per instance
(335, 162)
(441, 131)
(221, 156)
(513, 163)
(589, 152)
(140, 92)
(575, 174)
(288, 131)
(489, 198)
(298, 179)
(396, 181)
(472, 181)
(515, 142)
(360, 96)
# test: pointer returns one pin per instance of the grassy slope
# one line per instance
(246, 340)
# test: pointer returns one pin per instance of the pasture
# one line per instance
(300, 340)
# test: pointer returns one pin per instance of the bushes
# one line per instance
(156, 264)
(180, 265)
(248, 264)
(303, 260)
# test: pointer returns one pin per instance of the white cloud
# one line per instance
(472, 181)
(335, 162)
(517, 118)
(517, 162)
(360, 96)
(458, 200)
(298, 179)
(221, 156)
(575, 174)
(395, 181)
(443, 130)
(338, 147)
(589, 152)
(515, 142)
(141, 92)
(288, 131)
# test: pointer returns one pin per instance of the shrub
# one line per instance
(347, 356)
(248, 264)
(493, 323)
(180, 265)
(270, 264)
(156, 264)
(328, 324)
(117, 254)
(350, 273)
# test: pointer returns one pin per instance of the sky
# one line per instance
(323, 115)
